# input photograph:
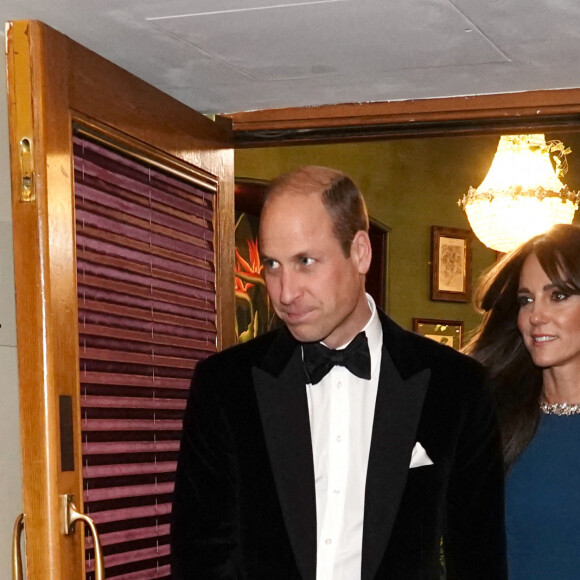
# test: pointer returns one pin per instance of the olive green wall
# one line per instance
(409, 185)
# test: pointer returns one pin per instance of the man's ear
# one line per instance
(361, 251)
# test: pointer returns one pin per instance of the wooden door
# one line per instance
(61, 97)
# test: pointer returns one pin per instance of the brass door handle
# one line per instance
(16, 550)
(71, 516)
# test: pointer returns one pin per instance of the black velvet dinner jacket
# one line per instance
(244, 500)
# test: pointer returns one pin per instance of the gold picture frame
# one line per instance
(450, 264)
(448, 332)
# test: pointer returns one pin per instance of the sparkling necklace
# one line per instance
(560, 408)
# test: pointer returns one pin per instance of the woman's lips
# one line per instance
(542, 338)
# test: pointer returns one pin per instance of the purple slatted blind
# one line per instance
(147, 313)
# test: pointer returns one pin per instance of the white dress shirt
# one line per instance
(341, 408)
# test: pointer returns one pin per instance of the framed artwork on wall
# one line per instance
(450, 264)
(254, 313)
(449, 332)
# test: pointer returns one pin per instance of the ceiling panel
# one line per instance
(234, 55)
(338, 38)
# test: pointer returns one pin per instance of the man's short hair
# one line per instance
(339, 194)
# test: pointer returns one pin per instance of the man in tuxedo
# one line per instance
(339, 447)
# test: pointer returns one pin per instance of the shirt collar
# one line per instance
(374, 331)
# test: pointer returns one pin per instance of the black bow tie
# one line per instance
(319, 359)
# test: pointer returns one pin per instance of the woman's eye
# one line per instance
(558, 296)
(523, 300)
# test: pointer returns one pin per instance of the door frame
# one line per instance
(526, 112)
(54, 84)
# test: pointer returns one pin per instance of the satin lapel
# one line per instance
(397, 412)
(284, 411)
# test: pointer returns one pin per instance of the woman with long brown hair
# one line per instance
(530, 342)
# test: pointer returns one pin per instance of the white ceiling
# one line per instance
(221, 56)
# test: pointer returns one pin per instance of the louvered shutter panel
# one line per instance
(147, 313)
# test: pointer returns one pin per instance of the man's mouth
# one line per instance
(295, 315)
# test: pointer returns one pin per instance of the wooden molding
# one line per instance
(547, 109)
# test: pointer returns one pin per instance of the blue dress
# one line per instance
(543, 504)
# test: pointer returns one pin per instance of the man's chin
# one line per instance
(304, 335)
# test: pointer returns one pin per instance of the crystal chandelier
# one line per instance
(522, 195)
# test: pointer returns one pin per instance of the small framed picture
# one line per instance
(448, 332)
(450, 264)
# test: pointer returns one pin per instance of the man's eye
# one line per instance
(305, 261)
(270, 264)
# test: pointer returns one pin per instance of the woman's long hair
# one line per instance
(498, 344)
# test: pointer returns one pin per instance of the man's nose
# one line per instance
(289, 287)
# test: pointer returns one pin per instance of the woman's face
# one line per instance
(548, 319)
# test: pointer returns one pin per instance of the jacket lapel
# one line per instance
(401, 392)
(280, 389)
